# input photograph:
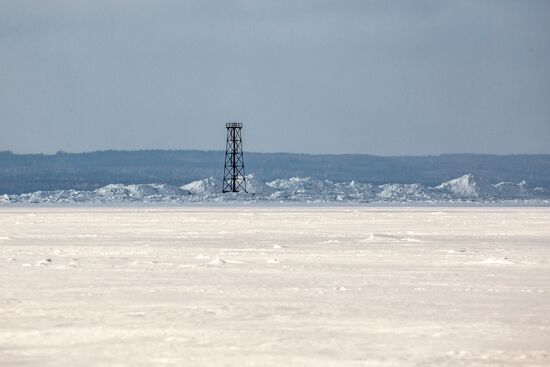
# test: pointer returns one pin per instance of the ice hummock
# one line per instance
(144, 191)
(463, 187)
(206, 186)
(466, 187)
(296, 189)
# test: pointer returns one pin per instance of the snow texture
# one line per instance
(274, 286)
(296, 189)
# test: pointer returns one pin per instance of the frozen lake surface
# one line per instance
(252, 286)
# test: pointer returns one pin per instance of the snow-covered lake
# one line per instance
(285, 286)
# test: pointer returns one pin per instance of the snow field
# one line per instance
(275, 286)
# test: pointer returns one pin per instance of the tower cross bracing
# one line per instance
(234, 177)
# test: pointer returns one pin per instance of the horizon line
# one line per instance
(62, 152)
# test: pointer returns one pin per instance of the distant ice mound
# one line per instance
(256, 186)
(471, 188)
(353, 191)
(206, 186)
(295, 189)
(464, 187)
(403, 193)
(297, 185)
(512, 189)
(142, 192)
(305, 189)
(311, 189)
(59, 196)
(211, 186)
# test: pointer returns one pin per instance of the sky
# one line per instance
(311, 76)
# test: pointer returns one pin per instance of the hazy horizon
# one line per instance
(61, 151)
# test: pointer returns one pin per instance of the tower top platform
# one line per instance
(234, 124)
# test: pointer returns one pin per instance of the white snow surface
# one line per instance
(274, 286)
(296, 189)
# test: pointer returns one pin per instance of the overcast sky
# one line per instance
(376, 77)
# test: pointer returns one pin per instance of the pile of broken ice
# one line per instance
(296, 189)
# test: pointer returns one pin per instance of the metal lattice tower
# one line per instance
(233, 176)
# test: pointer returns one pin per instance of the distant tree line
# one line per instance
(21, 173)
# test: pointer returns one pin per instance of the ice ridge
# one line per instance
(295, 189)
